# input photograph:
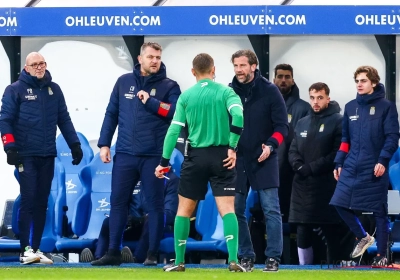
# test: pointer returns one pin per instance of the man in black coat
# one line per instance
(296, 109)
(317, 138)
(265, 127)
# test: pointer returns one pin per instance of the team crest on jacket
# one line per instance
(372, 110)
(50, 91)
(289, 118)
(29, 91)
(321, 128)
(303, 134)
(131, 89)
(153, 92)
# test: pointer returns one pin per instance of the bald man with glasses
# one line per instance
(31, 110)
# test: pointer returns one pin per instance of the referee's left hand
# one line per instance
(160, 170)
(230, 161)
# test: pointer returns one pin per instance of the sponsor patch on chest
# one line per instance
(31, 97)
(303, 134)
(129, 95)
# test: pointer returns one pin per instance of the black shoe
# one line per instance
(247, 264)
(108, 259)
(86, 256)
(379, 262)
(174, 267)
(151, 259)
(126, 255)
(271, 265)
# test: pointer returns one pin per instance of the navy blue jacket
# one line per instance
(370, 135)
(141, 127)
(138, 203)
(31, 111)
(265, 122)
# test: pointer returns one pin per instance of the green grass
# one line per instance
(56, 273)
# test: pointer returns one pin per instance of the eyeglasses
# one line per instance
(36, 65)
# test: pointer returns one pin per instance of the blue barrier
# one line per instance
(201, 20)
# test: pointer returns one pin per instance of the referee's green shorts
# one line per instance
(203, 165)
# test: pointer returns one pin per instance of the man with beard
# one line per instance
(316, 140)
(265, 127)
(296, 109)
(142, 105)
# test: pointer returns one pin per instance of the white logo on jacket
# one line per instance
(303, 134)
(129, 95)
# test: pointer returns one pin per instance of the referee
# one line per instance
(211, 156)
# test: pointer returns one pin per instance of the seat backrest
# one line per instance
(208, 221)
(394, 176)
(395, 158)
(73, 184)
(252, 199)
(176, 162)
(94, 203)
(55, 209)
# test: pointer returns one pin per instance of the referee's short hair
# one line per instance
(203, 63)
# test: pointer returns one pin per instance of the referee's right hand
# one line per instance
(230, 161)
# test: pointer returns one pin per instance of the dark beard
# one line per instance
(247, 79)
(285, 91)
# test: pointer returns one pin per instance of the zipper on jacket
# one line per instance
(44, 121)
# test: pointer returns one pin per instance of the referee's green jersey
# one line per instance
(205, 109)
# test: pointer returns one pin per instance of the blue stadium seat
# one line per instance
(395, 158)
(208, 224)
(91, 207)
(73, 184)
(394, 176)
(54, 215)
(176, 162)
(252, 199)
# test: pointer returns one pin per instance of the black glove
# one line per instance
(77, 153)
(12, 156)
(304, 170)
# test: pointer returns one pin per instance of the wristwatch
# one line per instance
(233, 148)
(271, 149)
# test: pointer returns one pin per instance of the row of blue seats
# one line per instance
(85, 191)
(82, 194)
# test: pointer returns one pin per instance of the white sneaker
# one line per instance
(43, 258)
(28, 256)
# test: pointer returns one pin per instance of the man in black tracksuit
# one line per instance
(316, 140)
(296, 109)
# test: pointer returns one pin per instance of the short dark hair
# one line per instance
(203, 63)
(319, 86)
(251, 56)
(152, 45)
(371, 72)
(283, 66)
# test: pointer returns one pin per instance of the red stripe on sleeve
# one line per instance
(164, 109)
(278, 136)
(7, 139)
(345, 147)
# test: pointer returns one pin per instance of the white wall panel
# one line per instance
(328, 59)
